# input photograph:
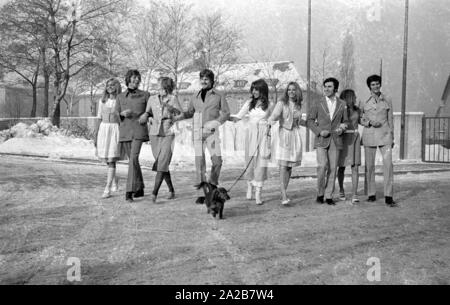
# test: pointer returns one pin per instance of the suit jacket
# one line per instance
(157, 111)
(319, 119)
(130, 128)
(214, 108)
(377, 109)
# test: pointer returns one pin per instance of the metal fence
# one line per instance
(436, 139)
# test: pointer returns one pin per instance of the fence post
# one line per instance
(424, 130)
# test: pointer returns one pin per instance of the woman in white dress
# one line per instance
(107, 134)
(258, 109)
(288, 143)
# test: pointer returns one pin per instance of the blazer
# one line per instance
(157, 111)
(377, 109)
(215, 107)
(129, 128)
(319, 119)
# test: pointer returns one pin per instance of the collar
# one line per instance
(211, 90)
(131, 91)
(331, 100)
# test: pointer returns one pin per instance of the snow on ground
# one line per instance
(43, 139)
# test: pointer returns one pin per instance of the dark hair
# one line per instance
(373, 78)
(263, 89)
(298, 95)
(167, 84)
(118, 86)
(209, 74)
(131, 73)
(349, 95)
(334, 81)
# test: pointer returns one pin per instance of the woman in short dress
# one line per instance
(288, 143)
(350, 155)
(162, 110)
(107, 134)
(258, 109)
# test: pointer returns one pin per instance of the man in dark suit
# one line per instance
(327, 118)
(133, 131)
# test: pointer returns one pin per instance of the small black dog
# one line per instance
(214, 199)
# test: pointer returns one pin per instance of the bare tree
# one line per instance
(176, 37)
(21, 47)
(148, 41)
(217, 44)
(70, 29)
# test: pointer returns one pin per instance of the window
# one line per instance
(240, 83)
(183, 85)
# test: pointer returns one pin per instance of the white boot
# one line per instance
(115, 184)
(249, 190)
(258, 195)
(109, 181)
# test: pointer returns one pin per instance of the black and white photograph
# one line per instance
(224, 148)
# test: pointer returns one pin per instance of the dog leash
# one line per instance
(250, 161)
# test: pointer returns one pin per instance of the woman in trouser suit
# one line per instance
(133, 131)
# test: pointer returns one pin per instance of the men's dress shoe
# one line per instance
(372, 198)
(153, 198)
(319, 199)
(200, 200)
(171, 196)
(129, 196)
(390, 202)
(330, 202)
(139, 193)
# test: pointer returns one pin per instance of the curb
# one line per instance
(306, 175)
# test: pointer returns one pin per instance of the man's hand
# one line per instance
(126, 113)
(324, 133)
(211, 126)
(143, 118)
(339, 131)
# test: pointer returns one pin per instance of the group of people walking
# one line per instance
(128, 119)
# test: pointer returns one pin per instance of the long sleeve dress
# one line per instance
(255, 140)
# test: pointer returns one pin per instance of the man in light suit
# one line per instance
(209, 110)
(378, 121)
(327, 119)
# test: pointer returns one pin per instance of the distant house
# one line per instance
(234, 81)
(444, 108)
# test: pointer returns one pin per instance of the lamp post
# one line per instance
(405, 61)
(308, 71)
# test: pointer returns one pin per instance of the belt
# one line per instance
(351, 131)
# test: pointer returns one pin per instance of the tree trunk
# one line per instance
(46, 92)
(56, 115)
(34, 96)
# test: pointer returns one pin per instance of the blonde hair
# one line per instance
(118, 90)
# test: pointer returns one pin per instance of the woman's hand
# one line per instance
(126, 113)
(143, 118)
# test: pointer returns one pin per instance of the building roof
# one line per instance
(446, 91)
(236, 77)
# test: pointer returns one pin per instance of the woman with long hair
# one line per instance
(350, 155)
(258, 109)
(162, 109)
(288, 143)
(106, 138)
